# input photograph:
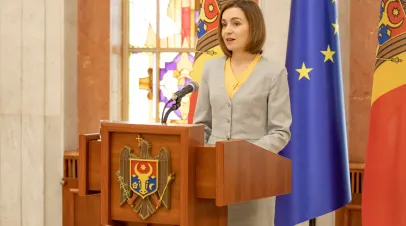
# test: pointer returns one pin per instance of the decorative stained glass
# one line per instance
(154, 76)
(142, 87)
(142, 23)
(175, 73)
(178, 21)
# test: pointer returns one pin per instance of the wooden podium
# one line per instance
(157, 174)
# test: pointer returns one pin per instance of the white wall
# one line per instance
(115, 59)
(71, 139)
(276, 15)
(31, 111)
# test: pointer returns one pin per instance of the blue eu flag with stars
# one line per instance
(318, 147)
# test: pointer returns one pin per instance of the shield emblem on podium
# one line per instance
(140, 175)
(144, 177)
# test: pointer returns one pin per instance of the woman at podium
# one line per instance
(243, 95)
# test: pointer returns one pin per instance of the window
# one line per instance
(157, 57)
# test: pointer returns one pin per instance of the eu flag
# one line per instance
(318, 147)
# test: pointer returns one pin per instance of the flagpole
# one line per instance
(312, 222)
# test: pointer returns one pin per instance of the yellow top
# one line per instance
(234, 82)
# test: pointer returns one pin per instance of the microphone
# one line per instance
(189, 88)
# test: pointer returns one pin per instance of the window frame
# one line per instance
(127, 50)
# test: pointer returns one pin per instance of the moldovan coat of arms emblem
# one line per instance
(145, 180)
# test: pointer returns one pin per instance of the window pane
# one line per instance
(142, 23)
(177, 23)
(175, 70)
(142, 87)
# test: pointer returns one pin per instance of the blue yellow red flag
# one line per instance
(207, 43)
(318, 147)
(383, 195)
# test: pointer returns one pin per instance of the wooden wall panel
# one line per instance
(350, 215)
(363, 40)
(93, 64)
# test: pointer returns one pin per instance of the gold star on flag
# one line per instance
(333, 1)
(304, 72)
(328, 54)
(335, 25)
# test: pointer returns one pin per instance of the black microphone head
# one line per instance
(189, 88)
(195, 85)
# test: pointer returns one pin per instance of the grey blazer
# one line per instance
(259, 112)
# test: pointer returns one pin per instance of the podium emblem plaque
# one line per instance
(145, 180)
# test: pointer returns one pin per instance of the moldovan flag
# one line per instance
(384, 187)
(207, 43)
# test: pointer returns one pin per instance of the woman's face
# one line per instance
(235, 30)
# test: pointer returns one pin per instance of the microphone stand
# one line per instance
(174, 107)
